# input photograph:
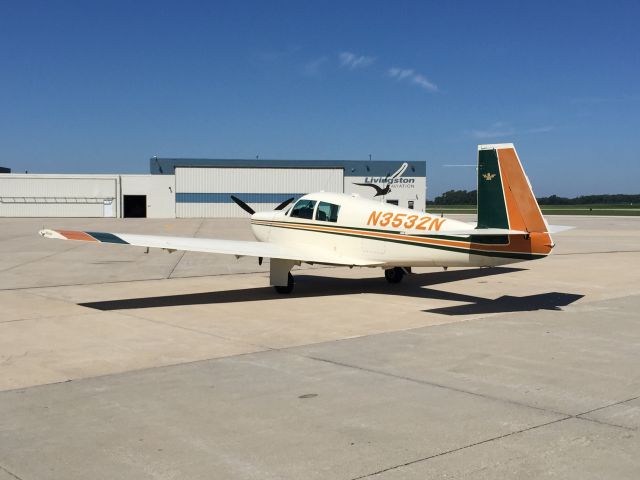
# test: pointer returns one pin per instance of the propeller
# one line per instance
(284, 204)
(251, 211)
(243, 205)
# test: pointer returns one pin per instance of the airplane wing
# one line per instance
(238, 248)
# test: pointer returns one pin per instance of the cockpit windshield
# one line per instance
(303, 209)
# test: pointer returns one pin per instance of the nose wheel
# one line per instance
(394, 275)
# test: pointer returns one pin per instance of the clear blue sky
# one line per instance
(101, 86)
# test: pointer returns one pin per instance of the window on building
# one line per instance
(303, 209)
(327, 212)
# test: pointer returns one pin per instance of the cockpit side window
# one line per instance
(303, 209)
(327, 212)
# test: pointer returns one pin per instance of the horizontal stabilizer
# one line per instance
(559, 228)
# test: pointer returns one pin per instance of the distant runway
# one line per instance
(115, 363)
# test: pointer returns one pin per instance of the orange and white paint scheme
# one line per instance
(338, 229)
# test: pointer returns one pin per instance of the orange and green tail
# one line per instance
(505, 198)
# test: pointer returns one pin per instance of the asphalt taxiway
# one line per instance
(115, 363)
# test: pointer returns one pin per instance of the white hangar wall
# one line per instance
(198, 188)
(206, 191)
(40, 195)
(28, 195)
(204, 186)
(158, 189)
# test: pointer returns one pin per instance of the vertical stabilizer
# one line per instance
(505, 198)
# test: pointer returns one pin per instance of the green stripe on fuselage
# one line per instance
(408, 241)
(492, 211)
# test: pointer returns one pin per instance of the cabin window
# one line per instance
(303, 209)
(327, 212)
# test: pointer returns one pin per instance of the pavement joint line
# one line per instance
(487, 397)
(195, 330)
(136, 370)
(610, 405)
(438, 385)
(608, 424)
(40, 258)
(2, 322)
(464, 447)
(10, 473)
(153, 279)
(183, 252)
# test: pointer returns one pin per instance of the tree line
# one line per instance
(464, 197)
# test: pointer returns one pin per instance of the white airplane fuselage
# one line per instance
(382, 233)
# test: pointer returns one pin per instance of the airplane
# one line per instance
(346, 230)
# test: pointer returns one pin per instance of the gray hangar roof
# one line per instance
(352, 168)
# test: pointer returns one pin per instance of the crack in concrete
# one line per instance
(10, 473)
(262, 348)
(434, 384)
(40, 258)
(464, 447)
(182, 253)
(577, 416)
(610, 405)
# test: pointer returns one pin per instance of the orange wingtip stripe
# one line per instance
(76, 235)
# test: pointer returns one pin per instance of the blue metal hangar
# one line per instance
(203, 187)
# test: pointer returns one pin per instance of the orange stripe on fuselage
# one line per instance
(517, 244)
(76, 235)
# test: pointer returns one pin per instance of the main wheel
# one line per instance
(394, 275)
(288, 288)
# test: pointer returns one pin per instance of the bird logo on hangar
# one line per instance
(388, 181)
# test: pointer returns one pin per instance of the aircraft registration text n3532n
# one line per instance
(406, 220)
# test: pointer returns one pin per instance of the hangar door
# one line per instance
(205, 191)
(51, 196)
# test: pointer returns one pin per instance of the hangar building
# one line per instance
(197, 188)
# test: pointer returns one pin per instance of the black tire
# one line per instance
(394, 275)
(288, 288)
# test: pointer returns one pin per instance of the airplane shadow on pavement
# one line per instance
(416, 285)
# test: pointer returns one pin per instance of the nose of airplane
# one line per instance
(269, 215)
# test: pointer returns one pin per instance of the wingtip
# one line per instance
(48, 233)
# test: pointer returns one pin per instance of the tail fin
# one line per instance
(505, 198)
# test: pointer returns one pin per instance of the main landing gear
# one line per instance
(280, 276)
(285, 289)
(394, 275)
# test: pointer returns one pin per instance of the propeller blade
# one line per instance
(285, 203)
(243, 205)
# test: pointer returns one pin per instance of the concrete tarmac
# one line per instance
(115, 363)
